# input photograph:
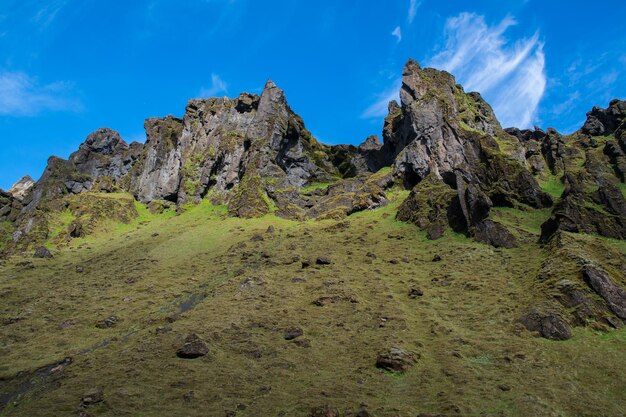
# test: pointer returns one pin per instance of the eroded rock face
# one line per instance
(604, 286)
(10, 207)
(102, 163)
(440, 131)
(548, 325)
(158, 176)
(601, 211)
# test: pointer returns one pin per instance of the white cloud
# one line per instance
(217, 86)
(379, 108)
(413, 6)
(397, 32)
(22, 95)
(511, 76)
(47, 13)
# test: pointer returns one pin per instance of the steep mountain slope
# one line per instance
(233, 265)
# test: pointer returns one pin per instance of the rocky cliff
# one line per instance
(445, 146)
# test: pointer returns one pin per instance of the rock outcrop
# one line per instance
(441, 131)
(21, 187)
(254, 154)
(10, 207)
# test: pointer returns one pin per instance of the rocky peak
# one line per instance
(104, 141)
(371, 143)
(21, 187)
(601, 122)
(441, 131)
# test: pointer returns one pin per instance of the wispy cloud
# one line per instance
(217, 86)
(511, 76)
(46, 14)
(379, 108)
(22, 95)
(397, 32)
(413, 6)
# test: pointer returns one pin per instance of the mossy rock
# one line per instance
(250, 199)
(160, 206)
(92, 209)
(427, 206)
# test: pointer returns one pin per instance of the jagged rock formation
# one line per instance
(590, 164)
(254, 154)
(440, 130)
(10, 207)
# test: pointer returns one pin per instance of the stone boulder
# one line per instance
(192, 348)
(396, 360)
(43, 253)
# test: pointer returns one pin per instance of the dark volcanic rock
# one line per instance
(42, 252)
(602, 211)
(602, 122)
(396, 360)
(429, 206)
(415, 292)
(442, 132)
(548, 325)
(292, 333)
(323, 260)
(108, 322)
(193, 347)
(10, 207)
(92, 397)
(602, 284)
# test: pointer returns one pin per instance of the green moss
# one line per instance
(58, 223)
(250, 200)
(527, 221)
(191, 173)
(314, 186)
(552, 185)
(6, 233)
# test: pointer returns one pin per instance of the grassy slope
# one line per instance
(474, 357)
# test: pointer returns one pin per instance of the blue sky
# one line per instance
(68, 67)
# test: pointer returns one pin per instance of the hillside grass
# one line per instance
(184, 273)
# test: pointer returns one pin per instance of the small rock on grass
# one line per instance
(108, 322)
(42, 252)
(415, 292)
(323, 260)
(293, 332)
(193, 347)
(92, 397)
(396, 359)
